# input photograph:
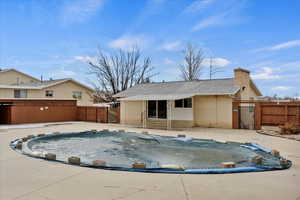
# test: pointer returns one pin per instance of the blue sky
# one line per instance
(55, 38)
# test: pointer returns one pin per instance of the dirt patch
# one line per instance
(277, 134)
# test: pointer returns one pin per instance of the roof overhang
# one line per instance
(169, 97)
(43, 86)
(156, 97)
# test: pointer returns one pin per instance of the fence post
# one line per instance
(235, 115)
(86, 114)
(286, 112)
(298, 114)
(107, 115)
(96, 115)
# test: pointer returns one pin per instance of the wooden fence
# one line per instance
(92, 114)
(37, 111)
(274, 114)
(268, 113)
(19, 111)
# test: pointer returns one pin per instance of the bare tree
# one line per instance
(120, 70)
(191, 68)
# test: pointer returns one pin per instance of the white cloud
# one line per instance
(210, 21)
(168, 61)
(223, 13)
(171, 46)
(285, 45)
(85, 59)
(281, 88)
(217, 62)
(78, 11)
(198, 5)
(266, 73)
(126, 42)
(62, 73)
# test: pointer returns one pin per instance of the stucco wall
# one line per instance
(131, 112)
(242, 78)
(61, 91)
(181, 113)
(64, 91)
(12, 77)
(213, 111)
(6, 93)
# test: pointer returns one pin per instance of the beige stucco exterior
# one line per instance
(213, 111)
(206, 111)
(62, 90)
(11, 77)
(132, 112)
(248, 90)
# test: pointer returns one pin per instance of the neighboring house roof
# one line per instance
(43, 84)
(179, 89)
(8, 70)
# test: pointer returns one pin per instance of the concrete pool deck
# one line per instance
(26, 178)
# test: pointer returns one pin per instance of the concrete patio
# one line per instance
(26, 178)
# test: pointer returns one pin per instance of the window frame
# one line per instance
(20, 93)
(76, 96)
(156, 110)
(47, 95)
(183, 103)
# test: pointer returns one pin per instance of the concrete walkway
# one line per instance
(26, 178)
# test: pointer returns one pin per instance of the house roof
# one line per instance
(179, 89)
(43, 84)
(7, 70)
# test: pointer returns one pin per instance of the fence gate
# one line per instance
(113, 114)
(247, 116)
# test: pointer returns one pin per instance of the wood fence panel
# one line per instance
(102, 115)
(275, 114)
(92, 114)
(81, 113)
(20, 114)
(269, 113)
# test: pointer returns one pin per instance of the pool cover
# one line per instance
(164, 154)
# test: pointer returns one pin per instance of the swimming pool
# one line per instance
(119, 150)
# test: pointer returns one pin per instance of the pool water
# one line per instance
(122, 149)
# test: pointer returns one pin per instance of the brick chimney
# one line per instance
(242, 79)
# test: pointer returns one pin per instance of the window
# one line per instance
(183, 103)
(157, 109)
(151, 109)
(49, 93)
(187, 103)
(77, 95)
(162, 109)
(178, 103)
(20, 93)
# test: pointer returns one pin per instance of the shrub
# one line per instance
(289, 128)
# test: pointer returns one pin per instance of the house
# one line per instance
(16, 84)
(183, 104)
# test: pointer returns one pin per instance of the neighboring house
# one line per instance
(15, 84)
(183, 104)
